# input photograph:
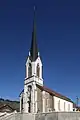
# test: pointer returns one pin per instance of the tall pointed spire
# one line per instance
(34, 49)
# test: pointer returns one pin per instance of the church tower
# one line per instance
(33, 63)
(28, 97)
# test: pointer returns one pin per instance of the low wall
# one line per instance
(58, 116)
(19, 116)
(44, 116)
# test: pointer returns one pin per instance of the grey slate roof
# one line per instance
(34, 49)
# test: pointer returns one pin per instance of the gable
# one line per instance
(6, 108)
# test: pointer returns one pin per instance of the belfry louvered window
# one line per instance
(22, 104)
(29, 70)
(38, 70)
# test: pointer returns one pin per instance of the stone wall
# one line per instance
(58, 116)
(49, 102)
(25, 116)
(39, 100)
(18, 116)
(45, 116)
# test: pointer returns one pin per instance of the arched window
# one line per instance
(29, 70)
(29, 97)
(22, 104)
(64, 106)
(38, 70)
(59, 105)
(29, 106)
(68, 107)
(29, 92)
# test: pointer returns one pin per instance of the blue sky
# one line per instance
(58, 37)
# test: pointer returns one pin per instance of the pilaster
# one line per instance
(20, 104)
(43, 94)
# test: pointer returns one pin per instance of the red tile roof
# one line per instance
(43, 88)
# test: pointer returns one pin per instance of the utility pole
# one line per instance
(77, 100)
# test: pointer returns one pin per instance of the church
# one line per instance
(36, 97)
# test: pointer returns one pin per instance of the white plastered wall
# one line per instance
(62, 101)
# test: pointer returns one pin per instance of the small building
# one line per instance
(35, 97)
(6, 109)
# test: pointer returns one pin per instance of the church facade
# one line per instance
(35, 97)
